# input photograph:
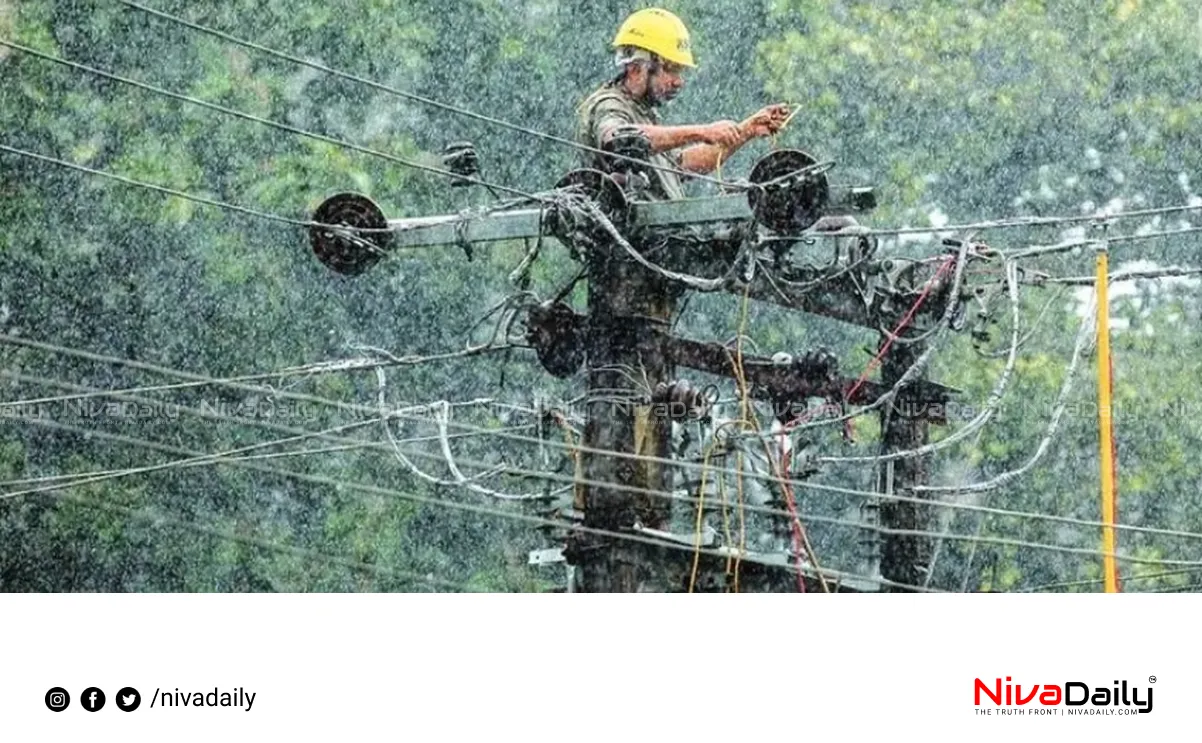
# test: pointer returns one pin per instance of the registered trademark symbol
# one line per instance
(1151, 679)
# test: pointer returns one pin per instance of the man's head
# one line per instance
(652, 48)
(647, 77)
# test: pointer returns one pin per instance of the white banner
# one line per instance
(656, 668)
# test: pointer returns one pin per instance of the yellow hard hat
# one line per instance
(659, 32)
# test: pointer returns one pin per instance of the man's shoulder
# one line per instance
(608, 97)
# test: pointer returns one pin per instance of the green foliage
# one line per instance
(967, 110)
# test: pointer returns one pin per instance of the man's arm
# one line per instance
(665, 138)
(705, 158)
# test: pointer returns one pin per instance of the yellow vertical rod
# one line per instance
(1106, 425)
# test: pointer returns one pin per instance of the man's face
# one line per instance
(666, 83)
(657, 87)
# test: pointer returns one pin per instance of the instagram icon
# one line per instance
(57, 699)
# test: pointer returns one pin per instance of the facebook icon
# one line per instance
(92, 699)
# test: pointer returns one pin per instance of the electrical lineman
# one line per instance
(652, 51)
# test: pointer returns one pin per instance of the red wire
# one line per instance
(905, 321)
(901, 325)
(794, 518)
(786, 457)
(791, 502)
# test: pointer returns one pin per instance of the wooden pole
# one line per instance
(904, 557)
(627, 307)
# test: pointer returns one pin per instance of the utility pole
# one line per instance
(904, 558)
(631, 356)
(628, 306)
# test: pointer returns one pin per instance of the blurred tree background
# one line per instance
(955, 112)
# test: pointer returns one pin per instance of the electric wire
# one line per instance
(878, 529)
(160, 520)
(767, 478)
(171, 191)
(1099, 581)
(225, 456)
(216, 460)
(1011, 223)
(423, 99)
(50, 485)
(261, 120)
(988, 410)
(237, 382)
(1084, 341)
(453, 505)
(541, 521)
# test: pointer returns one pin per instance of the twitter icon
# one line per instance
(128, 699)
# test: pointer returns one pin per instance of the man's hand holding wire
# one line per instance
(767, 121)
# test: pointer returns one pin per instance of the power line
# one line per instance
(299, 434)
(1085, 340)
(260, 120)
(420, 98)
(684, 465)
(52, 482)
(222, 457)
(161, 520)
(238, 382)
(991, 403)
(993, 540)
(1098, 581)
(996, 224)
(1152, 235)
(114, 473)
(201, 458)
(832, 575)
(215, 458)
(1010, 223)
(1189, 588)
(520, 472)
(171, 191)
(754, 475)
(898, 532)
(1160, 273)
(369, 410)
(634, 537)
(1073, 244)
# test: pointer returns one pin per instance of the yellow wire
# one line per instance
(574, 452)
(742, 522)
(705, 466)
(792, 113)
(747, 418)
(744, 406)
(744, 394)
(725, 516)
(750, 416)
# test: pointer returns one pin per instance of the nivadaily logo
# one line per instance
(1072, 697)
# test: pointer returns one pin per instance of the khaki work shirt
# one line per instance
(609, 106)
